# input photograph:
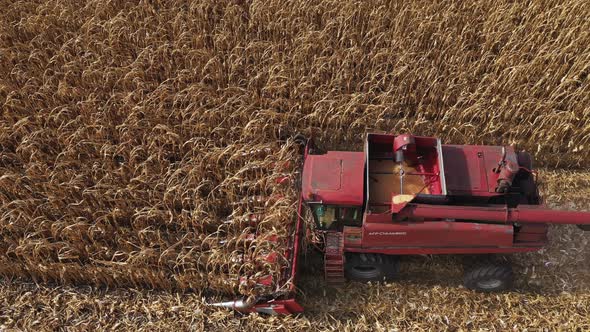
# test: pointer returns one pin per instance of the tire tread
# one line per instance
(389, 266)
(501, 271)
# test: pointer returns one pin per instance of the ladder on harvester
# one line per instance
(334, 258)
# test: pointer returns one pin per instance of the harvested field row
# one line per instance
(414, 306)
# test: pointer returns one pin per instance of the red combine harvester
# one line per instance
(409, 195)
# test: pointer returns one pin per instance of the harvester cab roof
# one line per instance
(334, 178)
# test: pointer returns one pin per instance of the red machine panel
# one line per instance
(334, 178)
(436, 234)
(469, 169)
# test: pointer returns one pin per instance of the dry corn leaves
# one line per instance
(553, 296)
(138, 139)
(185, 226)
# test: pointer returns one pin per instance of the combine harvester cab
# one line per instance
(411, 195)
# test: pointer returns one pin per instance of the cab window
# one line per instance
(349, 214)
(330, 216)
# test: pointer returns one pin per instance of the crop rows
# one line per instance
(138, 139)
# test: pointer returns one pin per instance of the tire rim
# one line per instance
(367, 271)
(489, 284)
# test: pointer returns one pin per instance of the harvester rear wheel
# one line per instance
(489, 277)
(371, 267)
(585, 228)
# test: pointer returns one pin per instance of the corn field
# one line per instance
(150, 145)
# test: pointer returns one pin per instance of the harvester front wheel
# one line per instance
(371, 267)
(490, 277)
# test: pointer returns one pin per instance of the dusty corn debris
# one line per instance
(143, 142)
